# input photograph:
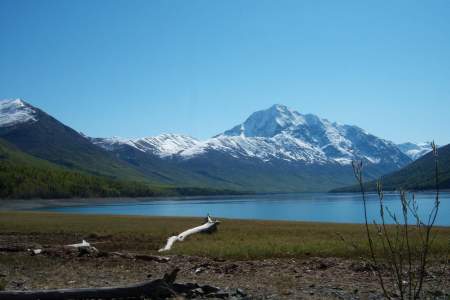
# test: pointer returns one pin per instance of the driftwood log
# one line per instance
(209, 227)
(157, 289)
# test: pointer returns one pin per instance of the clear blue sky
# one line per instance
(139, 68)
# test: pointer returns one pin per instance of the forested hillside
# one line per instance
(24, 176)
(420, 175)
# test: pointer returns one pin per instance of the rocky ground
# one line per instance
(263, 279)
(306, 278)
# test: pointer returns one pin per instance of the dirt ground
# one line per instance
(305, 278)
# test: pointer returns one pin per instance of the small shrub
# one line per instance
(405, 261)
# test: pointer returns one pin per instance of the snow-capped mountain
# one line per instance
(15, 111)
(278, 133)
(38, 134)
(274, 150)
(290, 135)
(415, 151)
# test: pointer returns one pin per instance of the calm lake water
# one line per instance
(321, 207)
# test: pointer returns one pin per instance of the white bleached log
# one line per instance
(82, 244)
(208, 226)
(36, 251)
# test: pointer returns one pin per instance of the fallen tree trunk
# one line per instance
(209, 226)
(157, 289)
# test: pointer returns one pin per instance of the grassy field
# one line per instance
(235, 239)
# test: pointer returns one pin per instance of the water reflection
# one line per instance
(321, 207)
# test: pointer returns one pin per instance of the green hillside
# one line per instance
(248, 174)
(51, 140)
(24, 176)
(167, 171)
(221, 171)
(419, 175)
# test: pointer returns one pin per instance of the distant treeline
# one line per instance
(34, 182)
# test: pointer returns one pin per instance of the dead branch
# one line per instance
(157, 289)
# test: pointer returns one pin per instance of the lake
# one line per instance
(316, 207)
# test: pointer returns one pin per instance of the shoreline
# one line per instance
(58, 206)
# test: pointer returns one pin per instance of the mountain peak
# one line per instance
(279, 107)
(12, 102)
(268, 122)
(15, 111)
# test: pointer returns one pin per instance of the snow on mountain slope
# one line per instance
(289, 135)
(278, 133)
(15, 111)
(110, 144)
(415, 151)
(162, 145)
(265, 149)
(165, 144)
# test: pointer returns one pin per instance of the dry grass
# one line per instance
(235, 239)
